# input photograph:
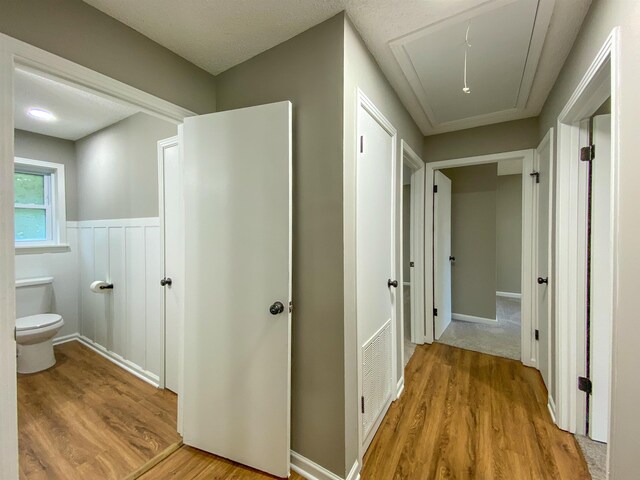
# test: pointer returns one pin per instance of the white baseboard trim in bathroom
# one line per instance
(473, 319)
(400, 387)
(312, 471)
(130, 367)
(509, 295)
(551, 405)
(66, 338)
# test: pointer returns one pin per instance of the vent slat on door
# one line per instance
(376, 376)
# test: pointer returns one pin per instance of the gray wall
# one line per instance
(308, 71)
(602, 17)
(51, 149)
(118, 169)
(496, 138)
(509, 233)
(361, 70)
(473, 239)
(76, 31)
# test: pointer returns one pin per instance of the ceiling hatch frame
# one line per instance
(538, 35)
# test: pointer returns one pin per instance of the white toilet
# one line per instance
(35, 329)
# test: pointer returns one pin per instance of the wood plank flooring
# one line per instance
(87, 418)
(191, 464)
(468, 415)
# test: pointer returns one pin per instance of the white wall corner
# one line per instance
(400, 387)
(312, 471)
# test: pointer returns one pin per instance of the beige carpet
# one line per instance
(595, 453)
(502, 339)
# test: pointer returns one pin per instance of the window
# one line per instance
(33, 212)
(39, 205)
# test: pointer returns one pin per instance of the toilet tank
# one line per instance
(33, 296)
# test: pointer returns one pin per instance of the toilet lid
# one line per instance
(37, 321)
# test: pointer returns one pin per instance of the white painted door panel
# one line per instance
(601, 280)
(544, 154)
(236, 397)
(375, 267)
(174, 260)
(441, 253)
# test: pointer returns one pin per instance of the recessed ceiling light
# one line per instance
(41, 114)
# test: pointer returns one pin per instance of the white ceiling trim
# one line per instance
(433, 126)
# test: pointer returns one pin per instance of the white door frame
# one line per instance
(415, 163)
(17, 53)
(364, 102)
(529, 347)
(162, 145)
(599, 82)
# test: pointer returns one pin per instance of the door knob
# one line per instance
(276, 308)
(392, 283)
(166, 282)
(543, 280)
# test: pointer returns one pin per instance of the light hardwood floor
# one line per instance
(87, 418)
(468, 415)
(463, 415)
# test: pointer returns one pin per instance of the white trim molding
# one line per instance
(66, 338)
(400, 387)
(526, 157)
(598, 83)
(473, 319)
(509, 295)
(312, 471)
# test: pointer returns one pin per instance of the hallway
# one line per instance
(464, 415)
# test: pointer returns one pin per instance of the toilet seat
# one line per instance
(33, 322)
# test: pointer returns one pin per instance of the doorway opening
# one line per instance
(485, 257)
(500, 320)
(89, 309)
(412, 252)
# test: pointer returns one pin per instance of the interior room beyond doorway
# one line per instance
(486, 258)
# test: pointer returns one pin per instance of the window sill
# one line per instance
(31, 249)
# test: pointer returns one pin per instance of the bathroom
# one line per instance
(87, 209)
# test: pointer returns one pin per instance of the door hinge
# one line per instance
(588, 153)
(537, 333)
(584, 385)
(435, 189)
(412, 264)
(290, 307)
(435, 312)
(537, 175)
(362, 404)
(361, 143)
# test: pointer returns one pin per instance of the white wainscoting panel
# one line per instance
(127, 321)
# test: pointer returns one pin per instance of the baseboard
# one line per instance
(312, 471)
(509, 295)
(66, 338)
(551, 405)
(130, 367)
(470, 318)
(400, 387)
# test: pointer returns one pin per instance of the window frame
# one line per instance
(55, 207)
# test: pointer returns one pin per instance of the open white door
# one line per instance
(237, 336)
(601, 280)
(542, 165)
(441, 253)
(172, 220)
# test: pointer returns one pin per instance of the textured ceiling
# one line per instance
(77, 113)
(218, 34)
